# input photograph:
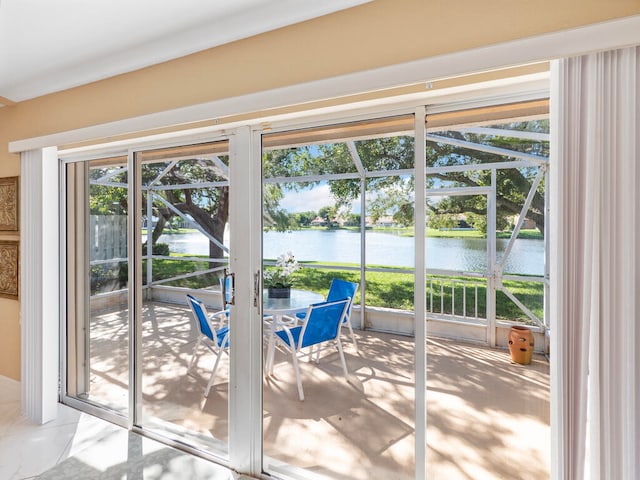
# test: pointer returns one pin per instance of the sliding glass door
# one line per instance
(98, 311)
(195, 270)
(144, 231)
(338, 202)
(182, 197)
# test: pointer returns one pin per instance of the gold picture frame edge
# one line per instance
(3, 294)
(14, 180)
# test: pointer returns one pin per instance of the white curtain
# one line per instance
(595, 266)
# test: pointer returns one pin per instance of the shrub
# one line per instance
(157, 249)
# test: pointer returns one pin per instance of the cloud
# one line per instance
(311, 199)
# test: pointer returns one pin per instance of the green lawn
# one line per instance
(386, 289)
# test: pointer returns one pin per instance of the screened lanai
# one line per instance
(485, 172)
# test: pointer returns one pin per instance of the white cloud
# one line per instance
(312, 199)
(309, 199)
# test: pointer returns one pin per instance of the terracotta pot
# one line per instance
(521, 345)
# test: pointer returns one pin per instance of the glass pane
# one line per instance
(185, 248)
(362, 428)
(97, 283)
(488, 415)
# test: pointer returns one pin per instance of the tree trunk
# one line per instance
(213, 222)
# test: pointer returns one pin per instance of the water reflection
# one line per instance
(466, 254)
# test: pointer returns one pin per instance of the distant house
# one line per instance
(386, 221)
(528, 224)
(339, 221)
(318, 222)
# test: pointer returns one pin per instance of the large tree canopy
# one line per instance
(393, 194)
(512, 185)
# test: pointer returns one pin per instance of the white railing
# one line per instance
(454, 297)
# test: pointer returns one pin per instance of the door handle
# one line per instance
(256, 288)
(229, 288)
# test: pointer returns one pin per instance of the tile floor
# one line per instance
(79, 446)
(486, 415)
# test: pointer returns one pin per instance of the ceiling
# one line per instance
(48, 46)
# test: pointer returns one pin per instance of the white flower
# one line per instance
(282, 274)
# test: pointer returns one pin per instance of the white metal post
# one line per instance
(547, 259)
(419, 295)
(134, 288)
(149, 240)
(363, 249)
(245, 376)
(491, 262)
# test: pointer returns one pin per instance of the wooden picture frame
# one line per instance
(9, 202)
(9, 268)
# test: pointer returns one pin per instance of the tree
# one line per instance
(353, 220)
(328, 214)
(512, 185)
(443, 221)
(393, 194)
(208, 206)
(396, 200)
(301, 219)
(107, 199)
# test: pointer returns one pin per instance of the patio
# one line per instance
(487, 417)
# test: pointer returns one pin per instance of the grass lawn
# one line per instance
(386, 289)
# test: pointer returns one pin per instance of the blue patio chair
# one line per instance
(340, 289)
(215, 339)
(320, 329)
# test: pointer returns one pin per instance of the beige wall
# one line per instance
(9, 309)
(383, 32)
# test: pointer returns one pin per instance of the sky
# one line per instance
(311, 199)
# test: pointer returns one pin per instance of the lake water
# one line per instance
(467, 254)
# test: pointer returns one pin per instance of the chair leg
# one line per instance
(296, 367)
(353, 337)
(213, 374)
(193, 355)
(342, 359)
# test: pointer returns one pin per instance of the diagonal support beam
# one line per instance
(523, 213)
(163, 173)
(357, 161)
(522, 307)
(222, 168)
(487, 148)
(109, 175)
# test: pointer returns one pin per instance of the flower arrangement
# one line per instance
(282, 275)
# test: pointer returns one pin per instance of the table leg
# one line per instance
(271, 349)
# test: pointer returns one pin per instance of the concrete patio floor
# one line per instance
(486, 416)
